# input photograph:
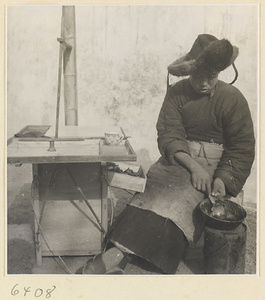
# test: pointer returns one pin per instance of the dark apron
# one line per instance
(170, 194)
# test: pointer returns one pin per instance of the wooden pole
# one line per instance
(59, 84)
(69, 57)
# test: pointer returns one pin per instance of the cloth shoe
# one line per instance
(93, 266)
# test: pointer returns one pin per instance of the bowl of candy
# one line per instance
(222, 214)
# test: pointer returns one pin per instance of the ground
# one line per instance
(21, 257)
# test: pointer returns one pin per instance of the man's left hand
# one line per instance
(218, 188)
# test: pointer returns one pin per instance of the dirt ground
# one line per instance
(21, 258)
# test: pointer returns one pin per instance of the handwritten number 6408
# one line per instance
(37, 293)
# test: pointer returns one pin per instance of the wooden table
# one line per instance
(74, 175)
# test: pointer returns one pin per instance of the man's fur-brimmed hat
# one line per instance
(208, 55)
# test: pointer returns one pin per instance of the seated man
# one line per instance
(206, 139)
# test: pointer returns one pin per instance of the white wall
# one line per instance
(122, 55)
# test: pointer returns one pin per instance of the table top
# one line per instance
(75, 144)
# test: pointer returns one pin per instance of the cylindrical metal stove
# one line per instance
(224, 250)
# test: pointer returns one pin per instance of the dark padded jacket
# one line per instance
(222, 117)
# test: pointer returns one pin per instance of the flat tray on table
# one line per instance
(78, 146)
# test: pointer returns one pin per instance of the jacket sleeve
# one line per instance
(170, 130)
(239, 148)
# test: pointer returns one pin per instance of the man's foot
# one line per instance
(115, 271)
(93, 266)
(103, 262)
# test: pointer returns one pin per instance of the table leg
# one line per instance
(104, 201)
(36, 206)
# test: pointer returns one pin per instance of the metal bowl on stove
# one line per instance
(235, 215)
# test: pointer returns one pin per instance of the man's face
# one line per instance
(203, 84)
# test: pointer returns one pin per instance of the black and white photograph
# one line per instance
(132, 141)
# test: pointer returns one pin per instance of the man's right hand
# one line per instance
(200, 178)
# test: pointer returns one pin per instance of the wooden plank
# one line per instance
(34, 148)
(84, 252)
(127, 182)
(36, 207)
(63, 148)
(104, 201)
(68, 159)
(92, 149)
(86, 176)
(67, 231)
(83, 151)
(47, 139)
(119, 150)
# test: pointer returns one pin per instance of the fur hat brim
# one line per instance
(215, 57)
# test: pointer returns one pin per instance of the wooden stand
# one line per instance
(67, 183)
(61, 225)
